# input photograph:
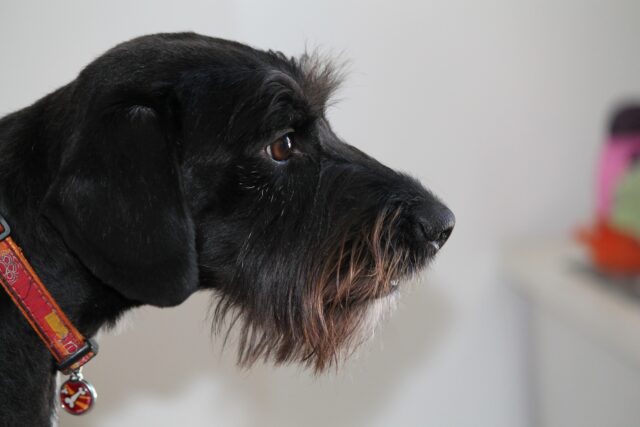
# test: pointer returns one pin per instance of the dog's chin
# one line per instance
(373, 313)
(317, 347)
(377, 311)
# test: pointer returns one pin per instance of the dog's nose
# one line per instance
(435, 224)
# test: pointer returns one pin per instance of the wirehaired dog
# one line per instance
(176, 163)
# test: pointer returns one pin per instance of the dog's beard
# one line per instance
(333, 306)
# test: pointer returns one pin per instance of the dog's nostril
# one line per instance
(442, 238)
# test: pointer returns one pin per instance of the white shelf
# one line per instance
(584, 338)
(556, 276)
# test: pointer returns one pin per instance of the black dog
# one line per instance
(178, 162)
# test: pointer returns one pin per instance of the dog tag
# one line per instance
(77, 395)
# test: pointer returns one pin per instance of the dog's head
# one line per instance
(200, 163)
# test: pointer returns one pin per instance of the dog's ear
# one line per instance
(119, 205)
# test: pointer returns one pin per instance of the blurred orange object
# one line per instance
(612, 251)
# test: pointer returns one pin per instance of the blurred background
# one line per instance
(499, 107)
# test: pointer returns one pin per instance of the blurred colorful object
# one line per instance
(614, 241)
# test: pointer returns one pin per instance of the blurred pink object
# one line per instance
(618, 154)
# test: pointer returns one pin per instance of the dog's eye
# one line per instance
(281, 149)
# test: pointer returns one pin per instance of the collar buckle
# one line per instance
(90, 346)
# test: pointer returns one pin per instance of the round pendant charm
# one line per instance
(77, 395)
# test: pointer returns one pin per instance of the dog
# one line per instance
(176, 163)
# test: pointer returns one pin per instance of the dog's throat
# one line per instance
(67, 345)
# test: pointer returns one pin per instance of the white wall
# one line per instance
(498, 106)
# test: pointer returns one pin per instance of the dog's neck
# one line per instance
(28, 164)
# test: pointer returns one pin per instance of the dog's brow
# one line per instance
(284, 100)
(285, 81)
(312, 78)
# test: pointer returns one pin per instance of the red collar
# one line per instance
(68, 347)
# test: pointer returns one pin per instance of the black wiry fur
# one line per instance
(146, 179)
